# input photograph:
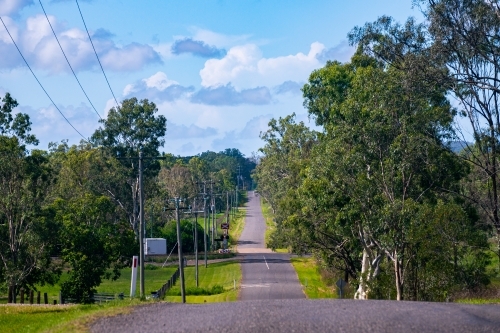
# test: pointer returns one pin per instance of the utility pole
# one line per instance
(142, 223)
(205, 198)
(141, 226)
(195, 211)
(179, 248)
(213, 213)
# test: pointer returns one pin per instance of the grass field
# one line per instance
(312, 283)
(154, 279)
(57, 318)
(270, 224)
(226, 274)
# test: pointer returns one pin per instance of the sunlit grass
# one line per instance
(310, 278)
(270, 224)
(57, 318)
(226, 274)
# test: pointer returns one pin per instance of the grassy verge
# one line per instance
(312, 282)
(59, 318)
(154, 277)
(225, 274)
(270, 224)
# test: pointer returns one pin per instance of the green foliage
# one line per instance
(26, 228)
(372, 195)
(198, 291)
(91, 244)
(169, 232)
(18, 126)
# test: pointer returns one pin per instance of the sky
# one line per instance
(218, 70)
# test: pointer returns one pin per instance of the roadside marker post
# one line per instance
(133, 281)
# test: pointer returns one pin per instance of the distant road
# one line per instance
(266, 275)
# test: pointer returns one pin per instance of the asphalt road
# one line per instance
(252, 237)
(268, 305)
(266, 275)
(303, 315)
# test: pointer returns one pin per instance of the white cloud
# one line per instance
(159, 81)
(157, 87)
(40, 47)
(219, 40)
(244, 67)
(11, 7)
(255, 126)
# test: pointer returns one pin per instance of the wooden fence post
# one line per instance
(31, 296)
(22, 295)
(38, 297)
(45, 298)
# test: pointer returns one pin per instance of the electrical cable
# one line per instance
(60, 46)
(99, 61)
(41, 86)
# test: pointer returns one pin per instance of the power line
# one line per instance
(41, 86)
(60, 46)
(99, 61)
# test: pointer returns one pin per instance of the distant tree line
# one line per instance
(75, 209)
(377, 195)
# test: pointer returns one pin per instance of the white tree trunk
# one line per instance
(362, 292)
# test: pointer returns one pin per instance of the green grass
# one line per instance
(59, 318)
(224, 274)
(154, 279)
(270, 224)
(312, 283)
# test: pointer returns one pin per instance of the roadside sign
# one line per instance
(224, 226)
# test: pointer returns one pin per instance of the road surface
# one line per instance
(304, 315)
(266, 275)
(269, 304)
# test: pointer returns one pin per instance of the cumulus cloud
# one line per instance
(197, 48)
(12, 7)
(157, 87)
(289, 87)
(40, 48)
(220, 40)
(244, 66)
(228, 95)
(229, 140)
(255, 126)
(341, 52)
(188, 132)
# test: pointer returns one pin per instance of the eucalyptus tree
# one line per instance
(129, 128)
(26, 233)
(465, 34)
(383, 160)
(287, 148)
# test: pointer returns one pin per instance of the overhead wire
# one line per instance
(100, 64)
(93, 47)
(41, 86)
(67, 60)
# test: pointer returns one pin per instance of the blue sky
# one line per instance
(218, 70)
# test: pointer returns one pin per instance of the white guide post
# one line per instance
(133, 282)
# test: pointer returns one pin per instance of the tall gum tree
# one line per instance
(128, 128)
(384, 154)
(26, 237)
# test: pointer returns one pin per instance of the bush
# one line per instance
(197, 291)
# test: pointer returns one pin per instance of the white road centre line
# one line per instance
(266, 262)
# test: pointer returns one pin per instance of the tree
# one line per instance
(25, 225)
(131, 127)
(92, 242)
(286, 153)
(93, 232)
(18, 126)
(465, 34)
